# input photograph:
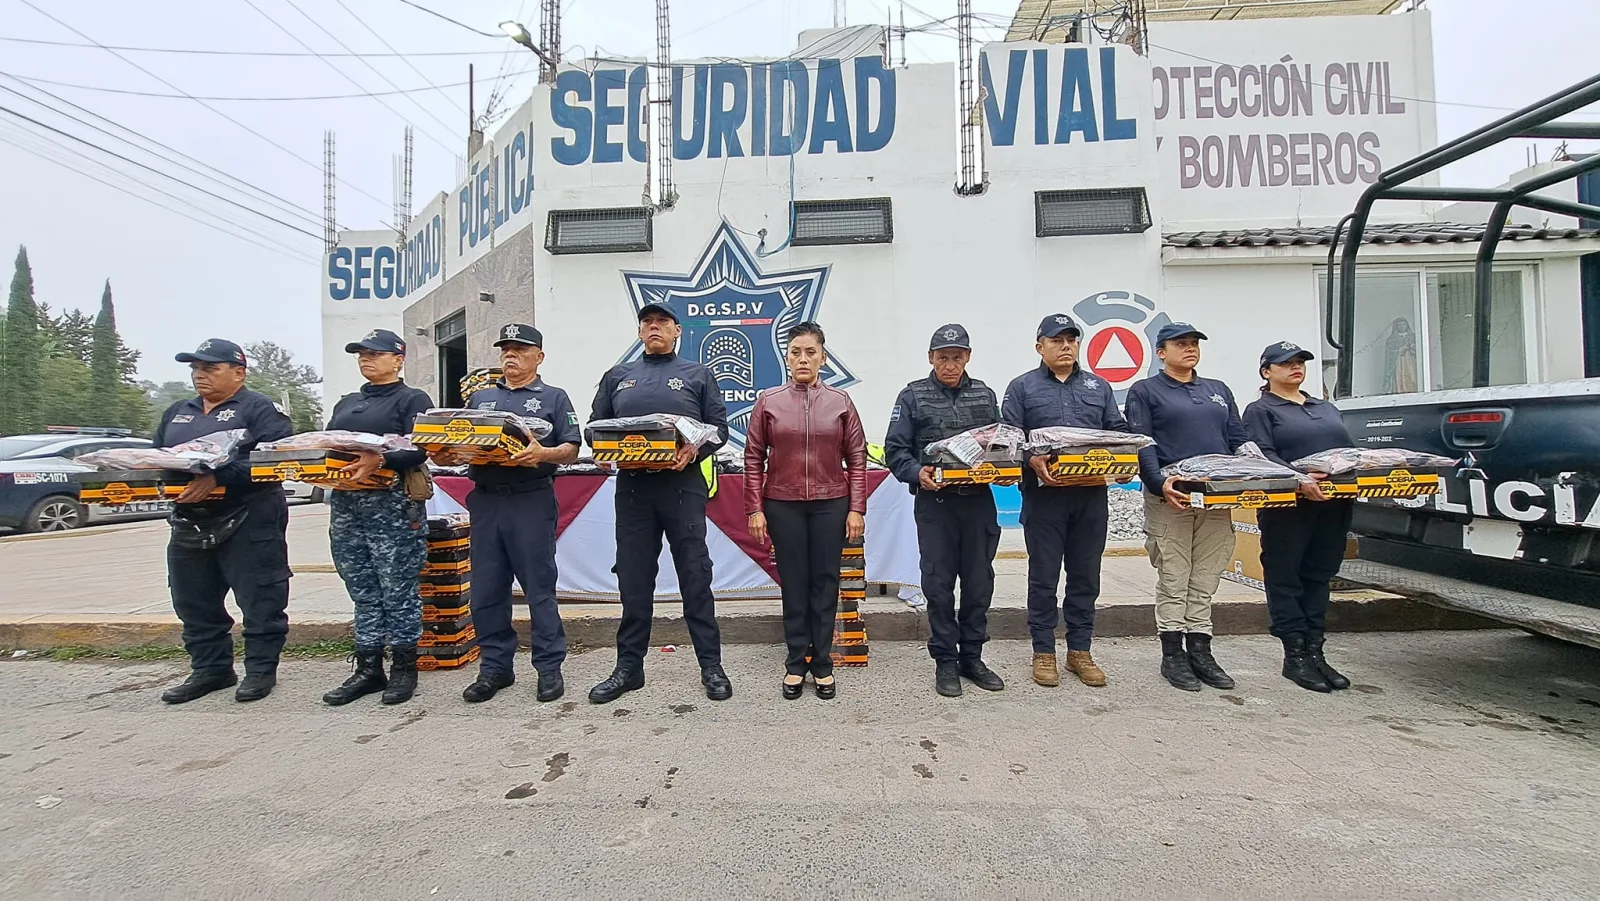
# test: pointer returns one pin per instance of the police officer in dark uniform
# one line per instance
(235, 542)
(1302, 547)
(958, 530)
(653, 503)
(1064, 525)
(513, 509)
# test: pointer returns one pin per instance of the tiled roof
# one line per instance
(1405, 233)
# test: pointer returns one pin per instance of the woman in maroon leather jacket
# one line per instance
(805, 482)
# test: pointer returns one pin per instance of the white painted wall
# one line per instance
(369, 304)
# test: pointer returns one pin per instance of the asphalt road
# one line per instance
(1462, 766)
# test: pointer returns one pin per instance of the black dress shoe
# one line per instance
(790, 692)
(198, 685)
(947, 679)
(718, 688)
(619, 683)
(982, 676)
(826, 691)
(551, 686)
(486, 685)
(255, 686)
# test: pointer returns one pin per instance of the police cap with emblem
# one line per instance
(1283, 352)
(215, 350)
(380, 340)
(1174, 330)
(517, 333)
(666, 311)
(952, 335)
(1056, 323)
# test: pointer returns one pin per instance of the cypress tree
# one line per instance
(103, 358)
(21, 355)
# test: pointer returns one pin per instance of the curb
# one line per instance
(897, 623)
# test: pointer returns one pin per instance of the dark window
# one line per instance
(452, 326)
(620, 230)
(868, 221)
(1091, 211)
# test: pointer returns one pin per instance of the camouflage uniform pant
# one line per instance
(380, 543)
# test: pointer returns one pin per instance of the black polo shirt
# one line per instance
(1287, 431)
(535, 400)
(1186, 419)
(384, 410)
(254, 412)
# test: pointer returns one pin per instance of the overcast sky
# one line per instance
(177, 279)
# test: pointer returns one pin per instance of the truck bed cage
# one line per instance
(1540, 120)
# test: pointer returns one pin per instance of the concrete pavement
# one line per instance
(107, 588)
(1461, 766)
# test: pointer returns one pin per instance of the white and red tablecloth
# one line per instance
(586, 542)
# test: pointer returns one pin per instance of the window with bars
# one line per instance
(452, 326)
(1090, 211)
(620, 230)
(868, 221)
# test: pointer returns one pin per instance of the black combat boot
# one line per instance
(1204, 665)
(1297, 665)
(402, 675)
(198, 685)
(367, 679)
(1335, 679)
(1175, 667)
(947, 678)
(255, 686)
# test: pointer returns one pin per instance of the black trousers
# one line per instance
(650, 506)
(957, 536)
(1064, 528)
(1302, 548)
(807, 539)
(514, 535)
(254, 564)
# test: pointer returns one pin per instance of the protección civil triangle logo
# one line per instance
(735, 317)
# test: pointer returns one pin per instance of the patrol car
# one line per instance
(37, 493)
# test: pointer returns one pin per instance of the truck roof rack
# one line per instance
(88, 430)
(1539, 120)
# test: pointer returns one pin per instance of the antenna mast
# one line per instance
(549, 38)
(971, 124)
(838, 13)
(664, 87)
(330, 228)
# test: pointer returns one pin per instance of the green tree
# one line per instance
(105, 364)
(159, 397)
(72, 331)
(274, 373)
(21, 355)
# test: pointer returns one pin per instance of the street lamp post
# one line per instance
(516, 31)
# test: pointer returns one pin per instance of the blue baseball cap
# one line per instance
(215, 350)
(379, 340)
(1178, 330)
(1056, 323)
(951, 335)
(1283, 352)
(664, 310)
(519, 333)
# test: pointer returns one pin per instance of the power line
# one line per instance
(308, 161)
(340, 72)
(185, 96)
(401, 56)
(49, 154)
(699, 28)
(289, 54)
(228, 200)
(264, 194)
(453, 21)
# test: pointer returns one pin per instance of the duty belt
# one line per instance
(514, 488)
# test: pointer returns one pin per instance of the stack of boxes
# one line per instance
(849, 629)
(448, 638)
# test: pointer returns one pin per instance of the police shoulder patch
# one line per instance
(894, 415)
(279, 408)
(572, 417)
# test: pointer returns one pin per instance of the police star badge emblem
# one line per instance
(1091, 383)
(951, 334)
(532, 404)
(226, 415)
(1289, 345)
(512, 332)
(1218, 400)
(675, 384)
(1061, 320)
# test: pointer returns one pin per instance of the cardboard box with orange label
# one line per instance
(116, 489)
(1400, 482)
(477, 436)
(635, 448)
(1094, 466)
(316, 467)
(990, 469)
(1251, 494)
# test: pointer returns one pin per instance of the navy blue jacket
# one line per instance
(384, 410)
(535, 400)
(1037, 399)
(662, 383)
(900, 449)
(1186, 419)
(187, 420)
(1287, 431)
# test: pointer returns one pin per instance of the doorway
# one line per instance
(450, 340)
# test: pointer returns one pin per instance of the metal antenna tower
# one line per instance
(971, 124)
(402, 220)
(549, 38)
(664, 87)
(330, 228)
(838, 13)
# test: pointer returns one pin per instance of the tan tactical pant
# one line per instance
(1190, 549)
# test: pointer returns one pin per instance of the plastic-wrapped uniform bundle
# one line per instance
(320, 458)
(129, 475)
(987, 455)
(1243, 479)
(1088, 457)
(479, 436)
(203, 454)
(1377, 472)
(647, 442)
